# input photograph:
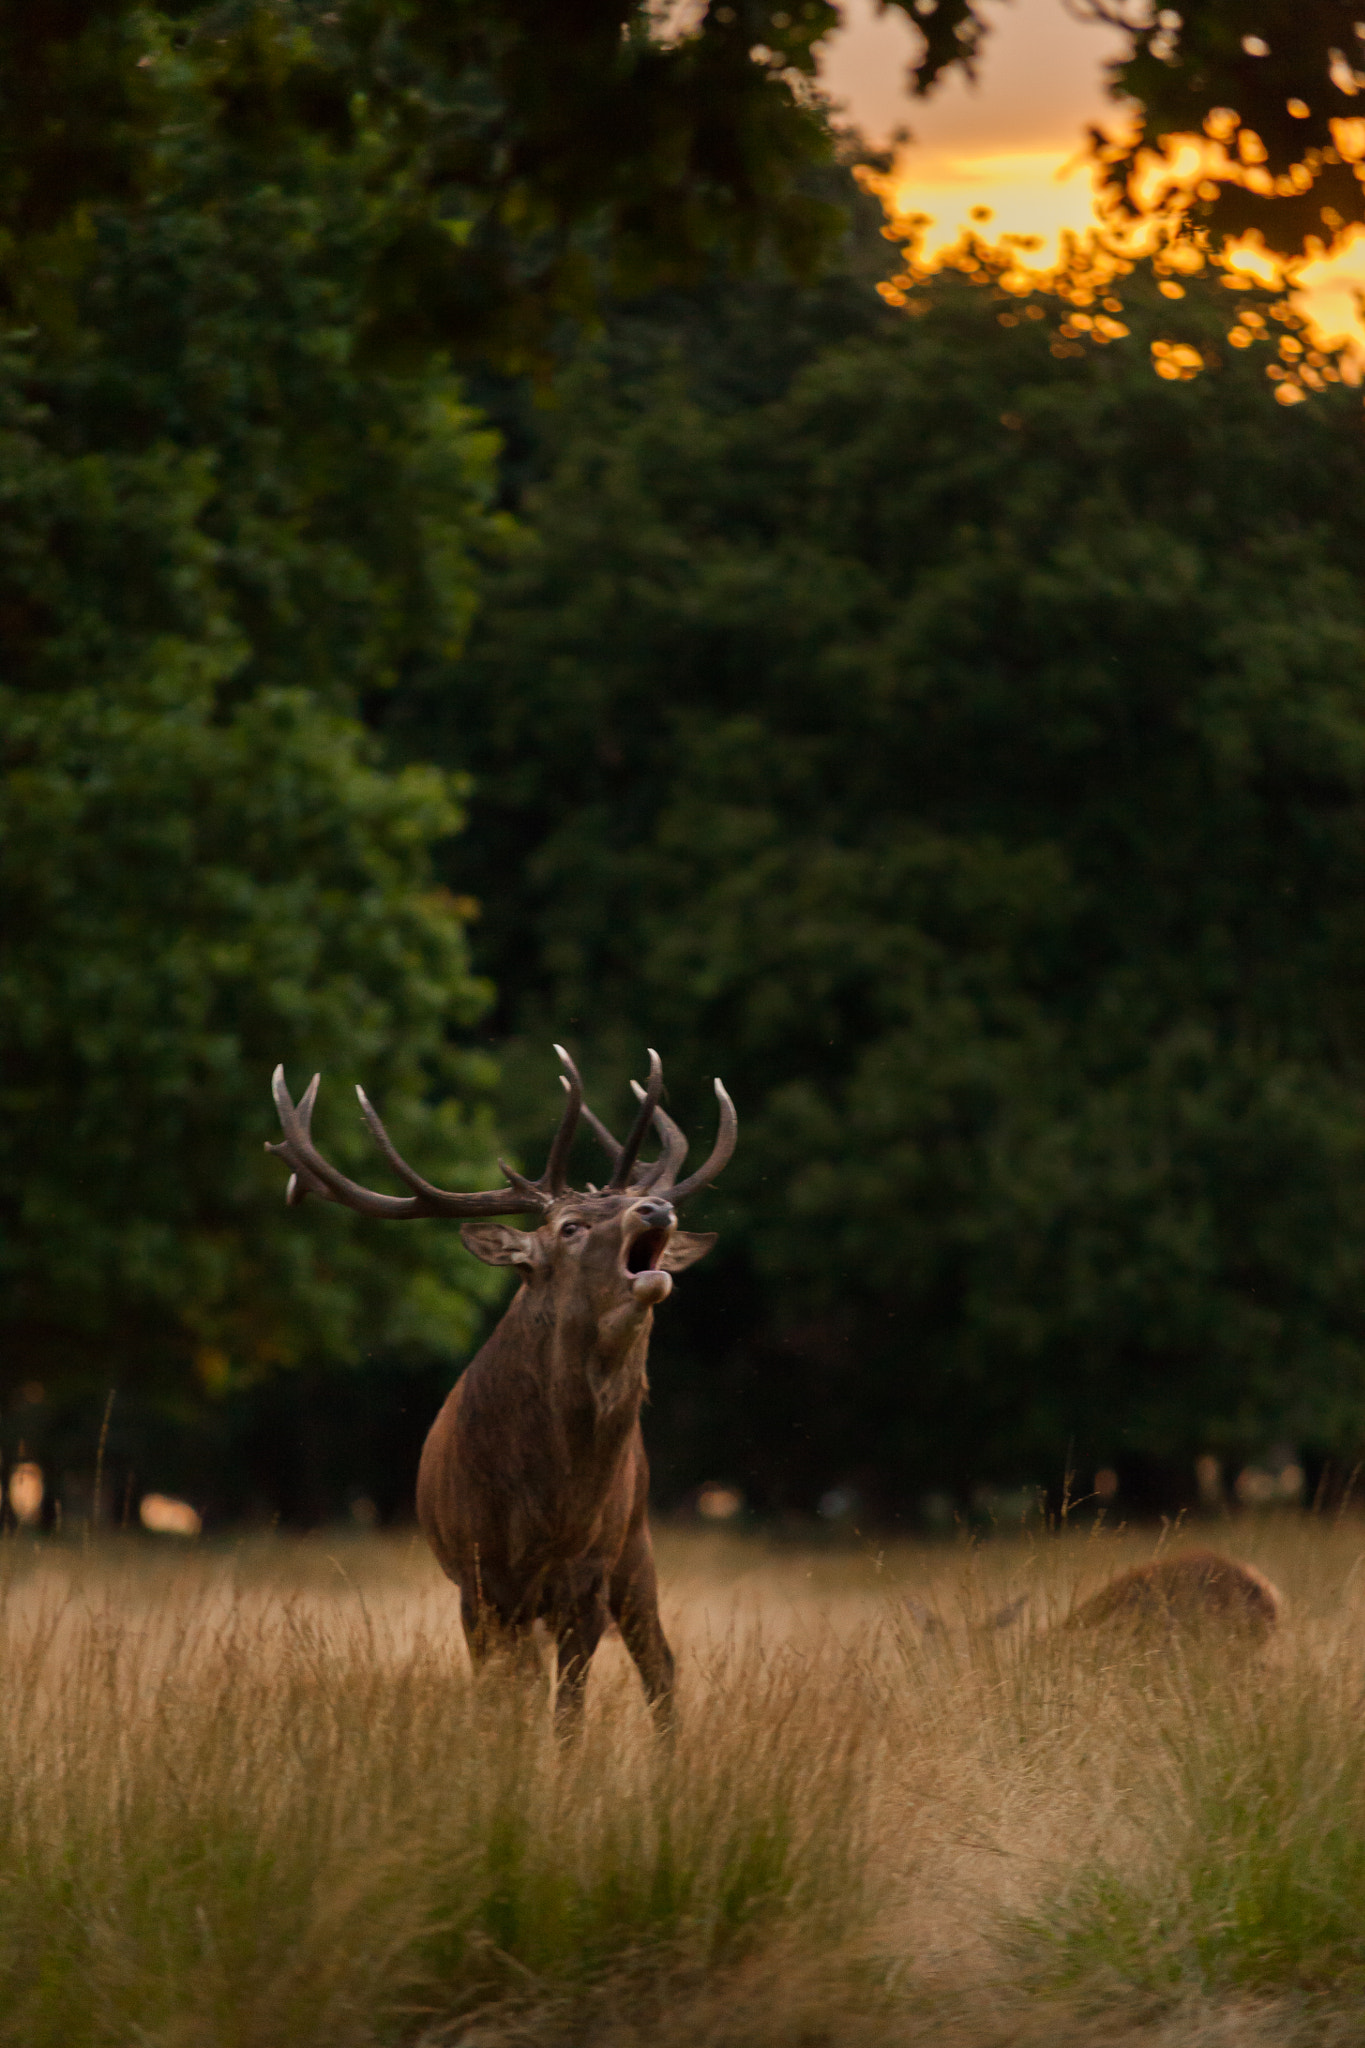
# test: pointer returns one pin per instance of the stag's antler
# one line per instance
(726, 1134)
(668, 1165)
(662, 1174)
(644, 1117)
(313, 1175)
(671, 1138)
(555, 1177)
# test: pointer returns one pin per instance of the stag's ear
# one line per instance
(497, 1244)
(685, 1247)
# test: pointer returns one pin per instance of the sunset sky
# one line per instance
(1015, 141)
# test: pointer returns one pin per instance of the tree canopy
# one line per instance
(1271, 89)
(956, 738)
(517, 167)
(514, 165)
(223, 532)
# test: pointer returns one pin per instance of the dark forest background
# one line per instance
(476, 570)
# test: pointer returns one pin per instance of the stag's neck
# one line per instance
(591, 1377)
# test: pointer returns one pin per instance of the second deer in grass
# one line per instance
(1196, 1591)
(1189, 1590)
(533, 1486)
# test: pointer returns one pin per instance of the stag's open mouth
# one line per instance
(644, 1252)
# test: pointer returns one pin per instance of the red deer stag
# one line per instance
(533, 1486)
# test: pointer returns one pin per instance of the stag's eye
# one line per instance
(572, 1229)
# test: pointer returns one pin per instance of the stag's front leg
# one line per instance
(500, 1646)
(634, 1598)
(578, 1630)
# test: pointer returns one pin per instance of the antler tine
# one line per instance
(611, 1146)
(672, 1139)
(649, 1102)
(314, 1175)
(720, 1151)
(438, 1198)
(667, 1166)
(302, 1184)
(555, 1177)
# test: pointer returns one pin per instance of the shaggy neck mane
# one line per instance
(590, 1372)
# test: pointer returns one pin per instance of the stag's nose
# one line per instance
(655, 1214)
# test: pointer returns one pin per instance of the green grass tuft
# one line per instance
(1249, 1873)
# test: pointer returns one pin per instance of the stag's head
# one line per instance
(613, 1248)
(595, 1253)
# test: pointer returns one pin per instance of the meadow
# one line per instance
(249, 1798)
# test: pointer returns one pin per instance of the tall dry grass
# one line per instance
(250, 1797)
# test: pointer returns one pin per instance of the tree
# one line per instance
(959, 747)
(244, 499)
(197, 882)
(222, 534)
(511, 172)
(515, 175)
(1268, 88)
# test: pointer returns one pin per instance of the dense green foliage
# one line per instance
(957, 739)
(195, 888)
(221, 533)
(511, 172)
(244, 499)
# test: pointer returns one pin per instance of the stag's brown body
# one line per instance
(533, 1486)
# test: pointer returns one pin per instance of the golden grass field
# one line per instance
(250, 1799)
